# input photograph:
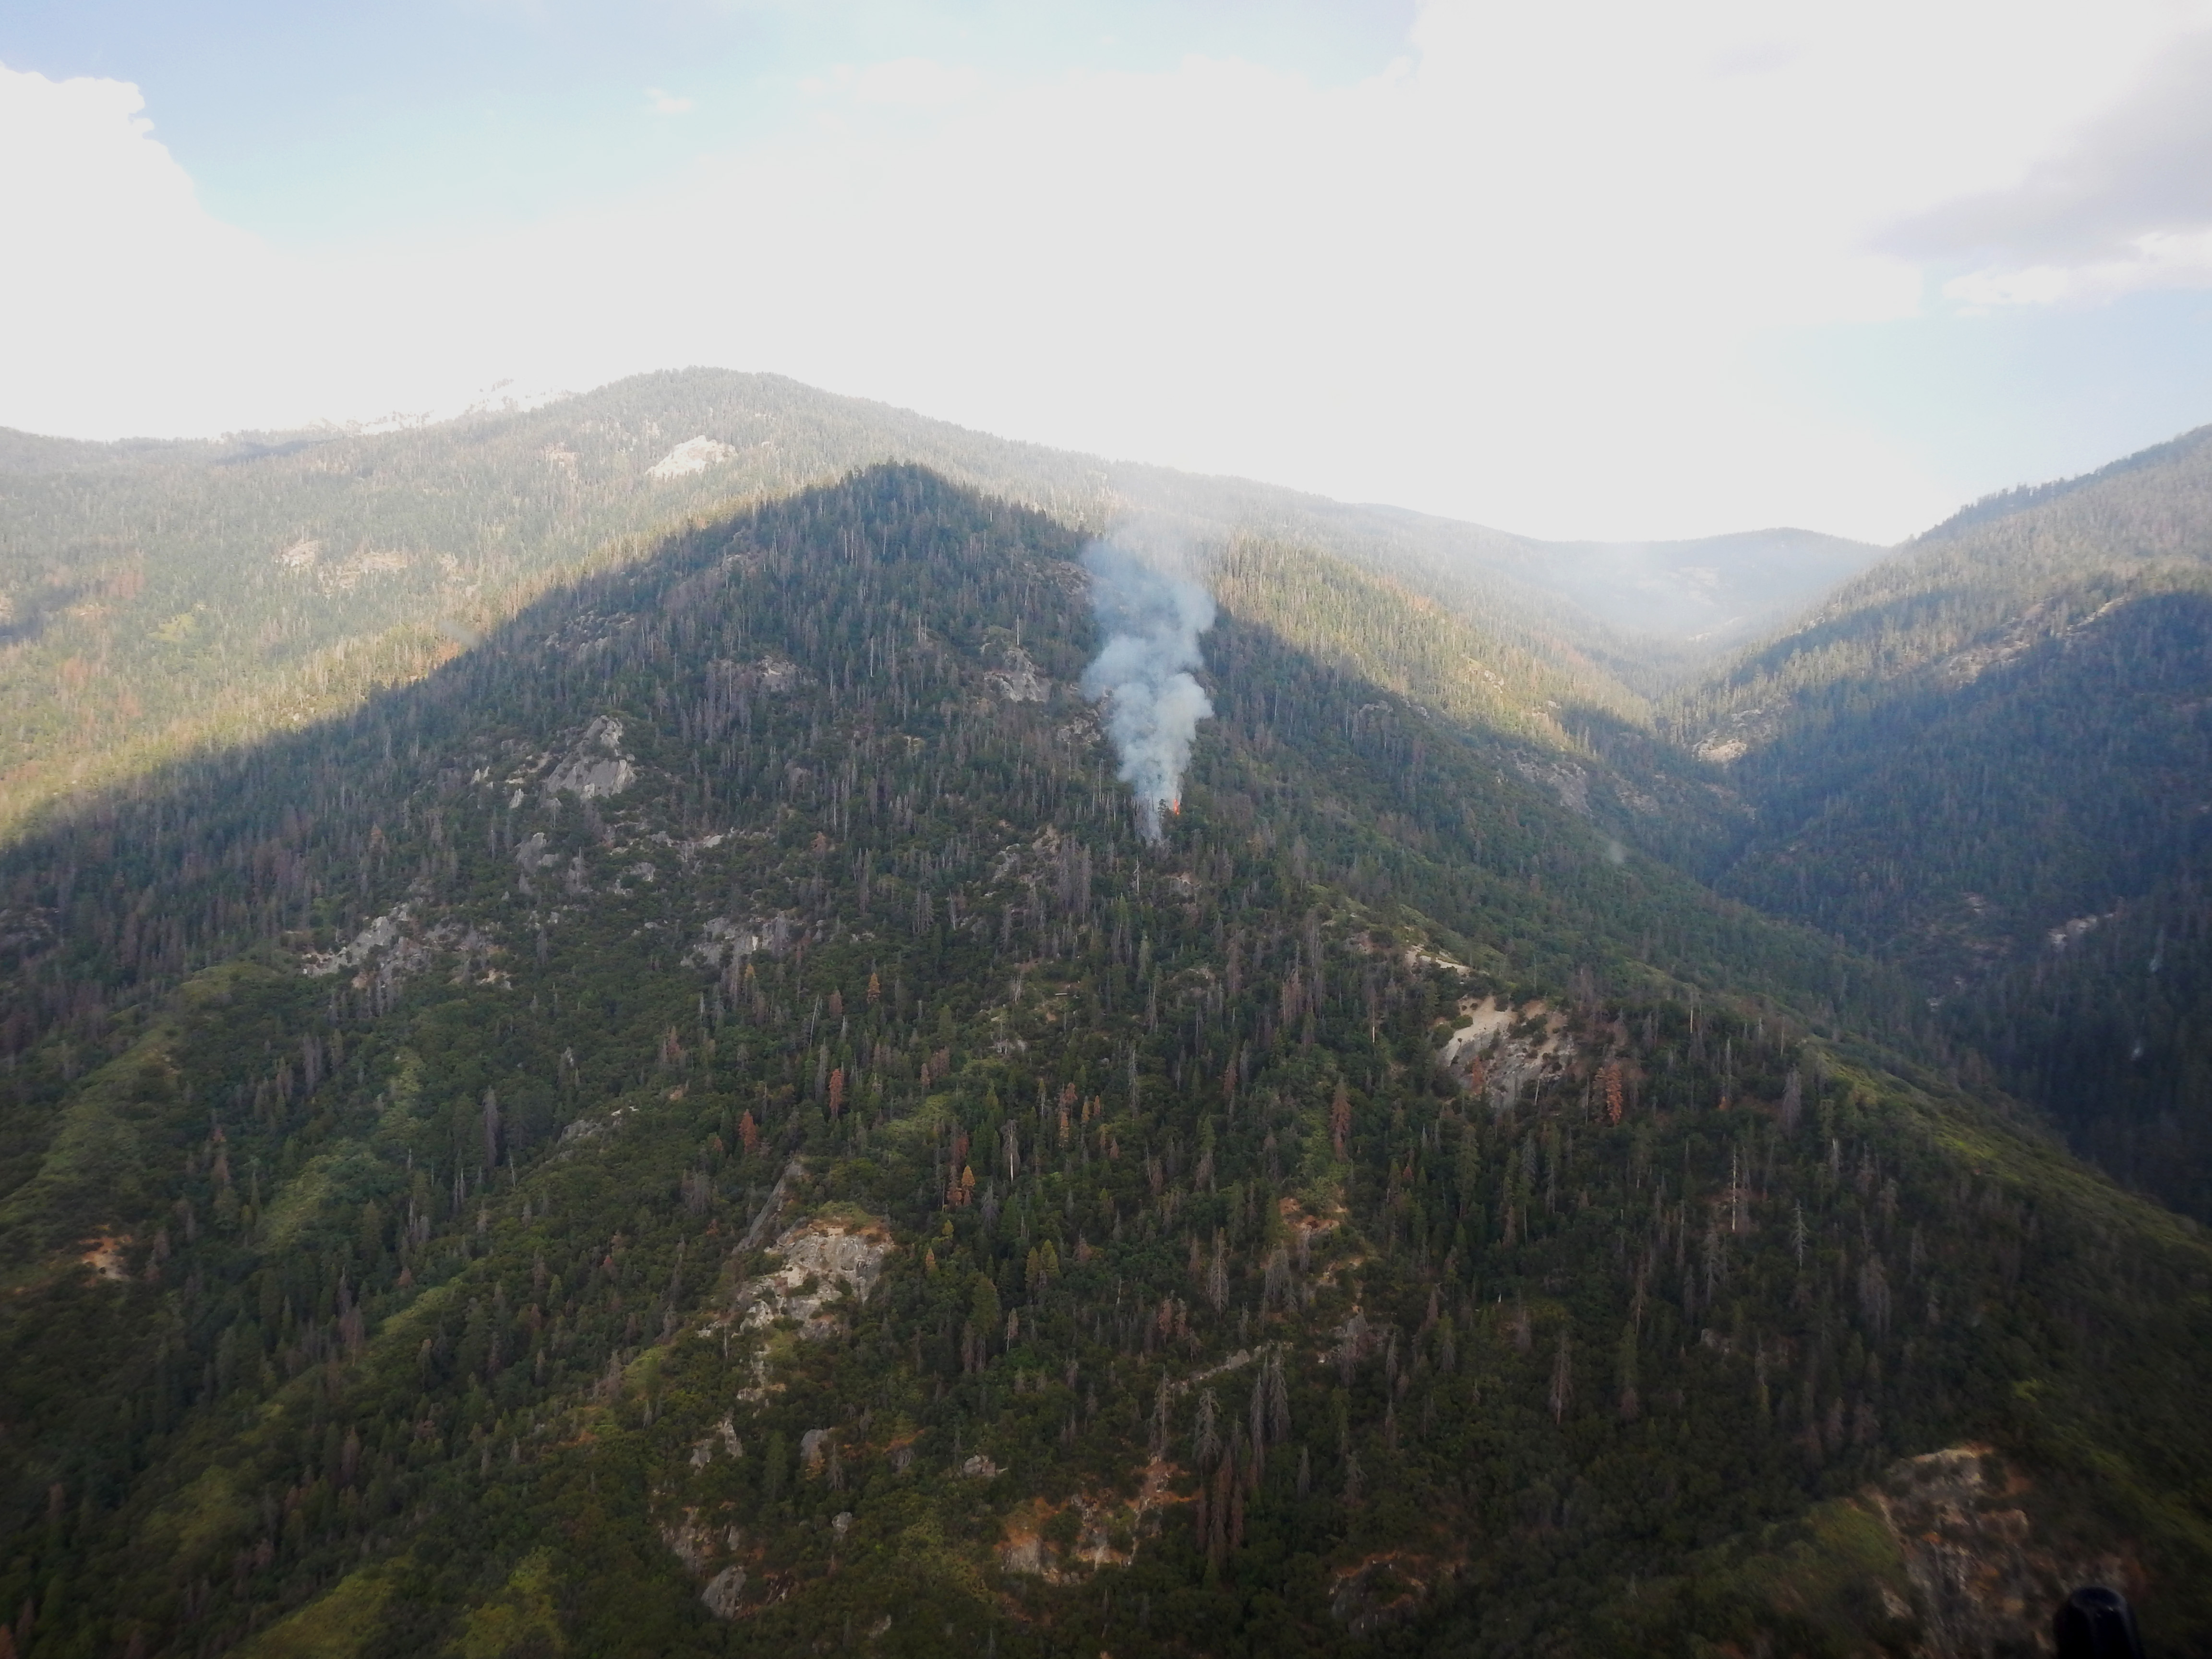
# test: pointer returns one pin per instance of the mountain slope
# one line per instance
(1977, 817)
(156, 598)
(1986, 762)
(1978, 589)
(698, 1127)
(2109, 1027)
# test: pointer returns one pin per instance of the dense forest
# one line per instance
(162, 599)
(1986, 762)
(690, 1120)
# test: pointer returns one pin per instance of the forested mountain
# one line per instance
(1990, 761)
(698, 1125)
(157, 599)
(1976, 591)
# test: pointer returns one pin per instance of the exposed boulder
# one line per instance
(824, 1261)
(596, 766)
(724, 1592)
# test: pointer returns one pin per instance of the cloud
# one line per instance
(664, 103)
(1516, 277)
(2125, 202)
(124, 297)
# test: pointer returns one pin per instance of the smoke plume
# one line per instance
(1151, 622)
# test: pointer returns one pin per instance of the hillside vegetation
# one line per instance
(696, 1126)
(1989, 762)
(157, 599)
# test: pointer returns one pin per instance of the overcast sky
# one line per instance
(1570, 267)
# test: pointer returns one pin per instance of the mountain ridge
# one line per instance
(172, 597)
(1983, 761)
(1246, 1282)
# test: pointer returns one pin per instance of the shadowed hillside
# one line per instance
(1986, 762)
(698, 1127)
(158, 598)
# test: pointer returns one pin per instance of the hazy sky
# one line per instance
(1570, 267)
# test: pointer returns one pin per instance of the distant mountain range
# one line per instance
(159, 596)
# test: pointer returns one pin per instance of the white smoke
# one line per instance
(1151, 622)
